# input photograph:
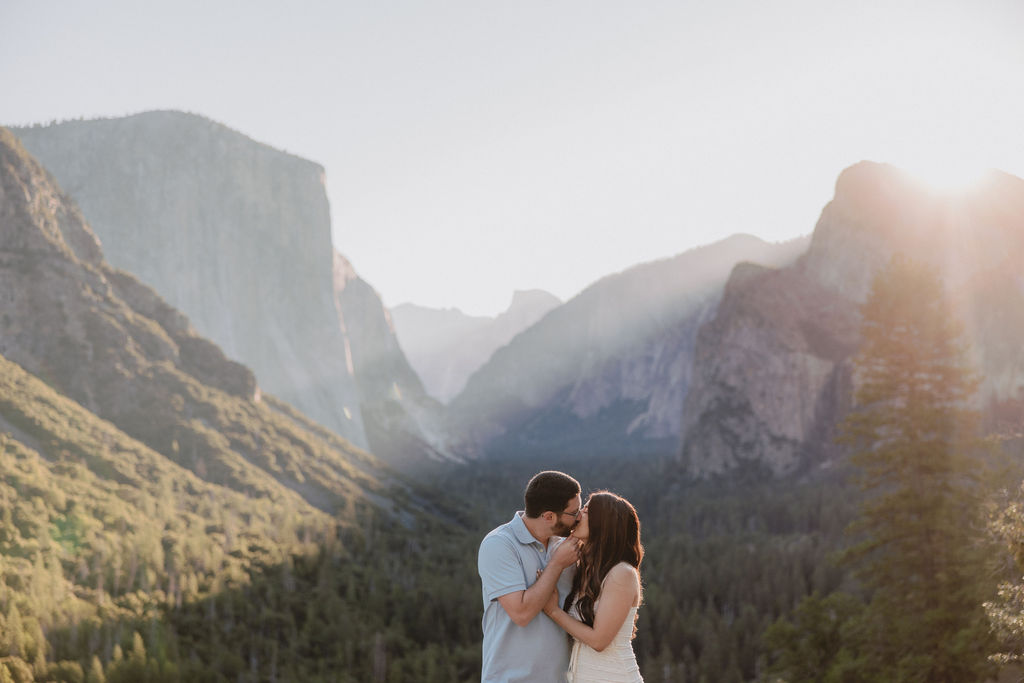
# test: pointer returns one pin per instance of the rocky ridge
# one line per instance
(607, 371)
(772, 370)
(403, 424)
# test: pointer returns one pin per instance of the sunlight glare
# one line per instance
(947, 176)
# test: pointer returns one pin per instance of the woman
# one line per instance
(600, 613)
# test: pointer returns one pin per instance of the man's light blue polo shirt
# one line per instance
(538, 652)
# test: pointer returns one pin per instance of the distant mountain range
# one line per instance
(732, 353)
(446, 346)
(607, 371)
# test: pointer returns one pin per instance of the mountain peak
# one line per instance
(343, 270)
(532, 299)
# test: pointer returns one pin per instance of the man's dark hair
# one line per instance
(549, 491)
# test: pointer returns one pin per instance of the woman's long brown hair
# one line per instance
(614, 538)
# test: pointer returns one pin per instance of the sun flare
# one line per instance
(947, 176)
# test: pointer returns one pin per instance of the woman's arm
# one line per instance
(619, 593)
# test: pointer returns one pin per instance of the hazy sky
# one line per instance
(475, 147)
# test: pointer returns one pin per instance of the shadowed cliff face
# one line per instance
(607, 371)
(769, 370)
(772, 370)
(404, 425)
(231, 232)
(102, 338)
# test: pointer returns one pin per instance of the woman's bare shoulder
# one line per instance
(623, 578)
(624, 569)
(623, 572)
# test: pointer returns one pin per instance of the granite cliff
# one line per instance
(402, 422)
(234, 234)
(447, 346)
(102, 338)
(772, 371)
(607, 371)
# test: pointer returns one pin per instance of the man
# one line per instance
(520, 563)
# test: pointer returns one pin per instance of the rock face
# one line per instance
(607, 371)
(229, 231)
(772, 369)
(447, 346)
(402, 423)
(102, 338)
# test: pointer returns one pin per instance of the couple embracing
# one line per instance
(561, 566)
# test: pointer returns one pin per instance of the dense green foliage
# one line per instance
(1006, 525)
(117, 564)
(724, 558)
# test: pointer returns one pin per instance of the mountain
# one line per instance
(164, 519)
(105, 340)
(403, 424)
(231, 232)
(772, 369)
(607, 371)
(237, 236)
(447, 346)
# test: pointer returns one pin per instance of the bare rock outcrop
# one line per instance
(403, 424)
(229, 231)
(772, 369)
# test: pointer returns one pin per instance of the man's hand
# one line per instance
(523, 606)
(566, 554)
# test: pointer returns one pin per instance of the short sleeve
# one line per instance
(500, 567)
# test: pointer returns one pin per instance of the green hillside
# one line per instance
(108, 549)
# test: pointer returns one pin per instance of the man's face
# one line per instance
(568, 518)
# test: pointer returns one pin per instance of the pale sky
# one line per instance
(476, 147)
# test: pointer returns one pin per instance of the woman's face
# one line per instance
(582, 529)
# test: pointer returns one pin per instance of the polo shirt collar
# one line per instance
(523, 534)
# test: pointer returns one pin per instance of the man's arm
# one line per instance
(522, 606)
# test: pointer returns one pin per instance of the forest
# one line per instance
(118, 565)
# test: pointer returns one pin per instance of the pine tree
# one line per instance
(915, 436)
(810, 643)
(95, 673)
(15, 632)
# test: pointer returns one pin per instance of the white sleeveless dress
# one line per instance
(614, 664)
